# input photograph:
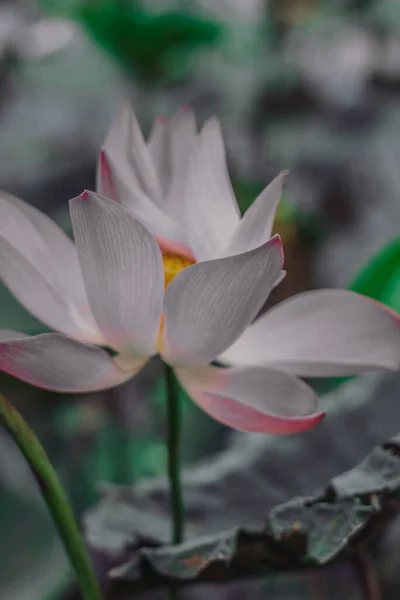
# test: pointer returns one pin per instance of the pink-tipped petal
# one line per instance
(322, 333)
(39, 264)
(104, 180)
(211, 214)
(255, 227)
(208, 305)
(123, 271)
(254, 399)
(54, 362)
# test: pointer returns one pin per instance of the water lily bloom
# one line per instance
(177, 184)
(114, 289)
(109, 290)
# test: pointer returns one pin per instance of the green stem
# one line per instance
(54, 497)
(174, 435)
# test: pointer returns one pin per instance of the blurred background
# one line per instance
(312, 86)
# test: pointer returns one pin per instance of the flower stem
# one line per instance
(174, 435)
(54, 497)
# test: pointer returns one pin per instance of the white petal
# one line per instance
(150, 214)
(208, 305)
(123, 272)
(254, 399)
(35, 292)
(211, 213)
(62, 250)
(55, 362)
(322, 333)
(182, 143)
(158, 150)
(255, 228)
(39, 264)
(125, 142)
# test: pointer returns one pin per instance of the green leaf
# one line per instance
(254, 505)
(380, 277)
(304, 532)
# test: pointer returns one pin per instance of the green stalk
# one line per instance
(174, 436)
(54, 497)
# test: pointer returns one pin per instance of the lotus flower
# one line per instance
(112, 290)
(177, 184)
(109, 291)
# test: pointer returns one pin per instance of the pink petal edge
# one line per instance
(277, 241)
(107, 183)
(114, 378)
(388, 309)
(168, 247)
(243, 418)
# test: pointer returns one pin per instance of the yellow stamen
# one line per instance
(174, 264)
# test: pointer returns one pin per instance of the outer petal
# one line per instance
(322, 333)
(255, 399)
(32, 288)
(123, 271)
(211, 213)
(158, 150)
(208, 305)
(39, 264)
(255, 228)
(55, 362)
(125, 142)
(182, 143)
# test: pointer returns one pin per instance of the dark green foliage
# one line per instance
(153, 47)
(304, 532)
(380, 277)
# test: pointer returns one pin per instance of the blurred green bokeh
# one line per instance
(380, 277)
(153, 47)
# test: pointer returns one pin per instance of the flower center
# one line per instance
(174, 264)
